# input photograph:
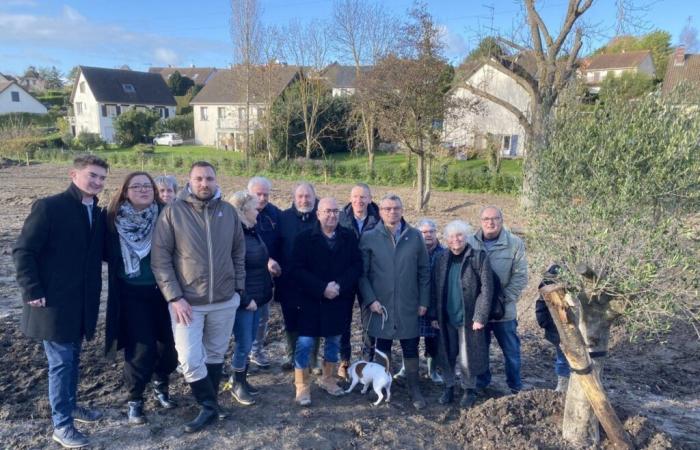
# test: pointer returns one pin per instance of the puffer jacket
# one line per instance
(258, 282)
(198, 250)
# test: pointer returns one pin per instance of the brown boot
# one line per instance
(327, 380)
(343, 370)
(302, 382)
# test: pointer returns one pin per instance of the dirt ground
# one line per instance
(651, 384)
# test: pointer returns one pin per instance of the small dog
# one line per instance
(369, 372)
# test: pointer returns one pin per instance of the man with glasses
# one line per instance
(506, 254)
(268, 228)
(326, 266)
(58, 257)
(395, 285)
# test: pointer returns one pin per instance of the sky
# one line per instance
(145, 33)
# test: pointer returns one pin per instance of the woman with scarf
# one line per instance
(461, 296)
(137, 315)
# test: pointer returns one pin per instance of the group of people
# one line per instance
(188, 269)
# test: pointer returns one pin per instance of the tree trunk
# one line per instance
(577, 426)
(420, 174)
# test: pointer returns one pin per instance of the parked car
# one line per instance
(169, 139)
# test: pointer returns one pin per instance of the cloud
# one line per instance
(456, 45)
(21, 3)
(165, 56)
(80, 40)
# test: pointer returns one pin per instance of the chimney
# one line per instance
(679, 56)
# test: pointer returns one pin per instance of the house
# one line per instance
(682, 68)
(596, 68)
(469, 128)
(200, 75)
(15, 99)
(220, 107)
(342, 79)
(100, 95)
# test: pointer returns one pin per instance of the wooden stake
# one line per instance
(574, 348)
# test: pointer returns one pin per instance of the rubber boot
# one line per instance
(214, 372)
(302, 383)
(204, 393)
(135, 413)
(252, 390)
(562, 384)
(343, 370)
(239, 390)
(412, 378)
(327, 380)
(432, 371)
(288, 363)
(162, 395)
(468, 398)
(448, 395)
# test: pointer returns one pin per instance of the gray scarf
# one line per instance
(135, 230)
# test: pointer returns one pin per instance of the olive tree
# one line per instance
(616, 195)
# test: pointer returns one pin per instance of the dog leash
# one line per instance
(385, 316)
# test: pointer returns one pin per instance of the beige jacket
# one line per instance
(198, 250)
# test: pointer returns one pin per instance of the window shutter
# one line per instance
(167, 112)
(119, 109)
(104, 110)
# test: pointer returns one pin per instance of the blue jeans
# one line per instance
(305, 344)
(561, 365)
(259, 342)
(507, 336)
(64, 360)
(244, 330)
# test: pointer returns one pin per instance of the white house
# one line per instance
(100, 95)
(467, 128)
(220, 107)
(14, 99)
(599, 67)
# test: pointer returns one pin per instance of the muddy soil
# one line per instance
(652, 385)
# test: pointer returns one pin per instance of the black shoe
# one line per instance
(288, 364)
(468, 399)
(136, 416)
(86, 415)
(252, 390)
(160, 391)
(69, 437)
(239, 391)
(208, 413)
(448, 396)
(411, 365)
(214, 372)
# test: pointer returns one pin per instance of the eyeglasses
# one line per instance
(391, 208)
(329, 212)
(491, 219)
(140, 187)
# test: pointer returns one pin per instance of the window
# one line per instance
(221, 112)
(82, 87)
(506, 142)
(203, 113)
(78, 108)
(163, 112)
(15, 96)
(128, 88)
(241, 114)
(112, 111)
(261, 114)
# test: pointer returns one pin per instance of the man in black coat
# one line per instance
(299, 217)
(360, 215)
(267, 227)
(326, 266)
(58, 257)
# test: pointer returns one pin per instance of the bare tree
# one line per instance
(363, 32)
(246, 35)
(272, 52)
(555, 57)
(307, 46)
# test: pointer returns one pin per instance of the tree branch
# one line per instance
(522, 119)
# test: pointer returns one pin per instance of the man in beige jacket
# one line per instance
(198, 259)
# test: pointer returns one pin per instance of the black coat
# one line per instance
(315, 265)
(258, 282)
(58, 256)
(268, 228)
(347, 219)
(477, 295)
(292, 222)
(115, 325)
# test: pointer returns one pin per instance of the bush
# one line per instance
(182, 125)
(135, 126)
(90, 141)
